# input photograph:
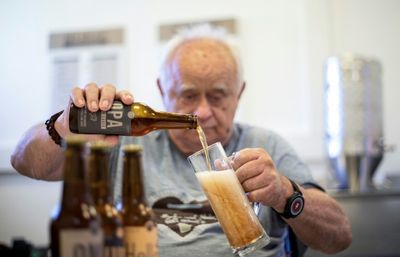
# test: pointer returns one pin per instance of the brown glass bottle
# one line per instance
(140, 231)
(76, 228)
(99, 183)
(137, 120)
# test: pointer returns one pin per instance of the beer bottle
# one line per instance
(140, 231)
(99, 183)
(137, 120)
(76, 228)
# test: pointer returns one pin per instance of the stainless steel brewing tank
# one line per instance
(353, 119)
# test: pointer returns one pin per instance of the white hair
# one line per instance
(199, 31)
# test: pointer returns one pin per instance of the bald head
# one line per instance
(202, 48)
(201, 59)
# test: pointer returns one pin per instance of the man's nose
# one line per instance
(203, 110)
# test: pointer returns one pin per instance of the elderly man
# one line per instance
(201, 74)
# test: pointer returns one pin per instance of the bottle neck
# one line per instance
(99, 177)
(132, 189)
(168, 120)
(146, 119)
(171, 119)
(75, 190)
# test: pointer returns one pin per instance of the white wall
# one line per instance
(26, 209)
(284, 45)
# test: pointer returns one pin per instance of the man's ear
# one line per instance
(242, 89)
(160, 88)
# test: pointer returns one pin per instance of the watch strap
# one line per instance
(294, 204)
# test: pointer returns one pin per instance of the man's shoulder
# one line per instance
(256, 133)
(250, 136)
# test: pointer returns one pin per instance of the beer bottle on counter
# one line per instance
(76, 228)
(99, 183)
(140, 231)
(137, 120)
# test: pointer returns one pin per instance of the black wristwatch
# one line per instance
(294, 204)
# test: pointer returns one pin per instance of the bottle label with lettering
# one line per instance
(141, 241)
(81, 243)
(116, 121)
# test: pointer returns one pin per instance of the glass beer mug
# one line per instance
(228, 200)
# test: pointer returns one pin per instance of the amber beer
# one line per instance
(140, 231)
(75, 230)
(99, 183)
(137, 119)
(225, 193)
(230, 205)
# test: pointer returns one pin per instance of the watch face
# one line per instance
(297, 206)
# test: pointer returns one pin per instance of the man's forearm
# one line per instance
(322, 225)
(37, 156)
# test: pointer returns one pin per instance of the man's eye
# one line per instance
(188, 98)
(215, 98)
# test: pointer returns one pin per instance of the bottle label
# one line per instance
(141, 241)
(116, 121)
(81, 243)
(114, 251)
(114, 244)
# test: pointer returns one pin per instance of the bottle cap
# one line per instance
(74, 140)
(99, 145)
(132, 148)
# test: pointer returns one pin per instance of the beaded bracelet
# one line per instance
(51, 129)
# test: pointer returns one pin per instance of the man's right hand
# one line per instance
(94, 98)
(38, 156)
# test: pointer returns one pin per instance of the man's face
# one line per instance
(202, 81)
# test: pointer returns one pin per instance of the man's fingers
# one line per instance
(249, 170)
(259, 194)
(107, 95)
(77, 97)
(92, 96)
(125, 97)
(254, 183)
(95, 98)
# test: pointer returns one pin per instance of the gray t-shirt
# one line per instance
(186, 225)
